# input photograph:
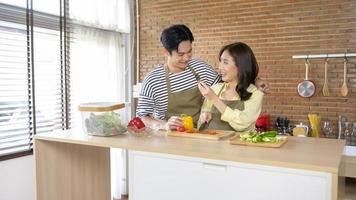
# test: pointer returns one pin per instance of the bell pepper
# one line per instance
(136, 123)
(187, 122)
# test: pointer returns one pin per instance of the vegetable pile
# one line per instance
(105, 124)
(188, 126)
(268, 136)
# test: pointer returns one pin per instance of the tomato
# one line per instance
(136, 123)
(180, 128)
(193, 130)
(210, 132)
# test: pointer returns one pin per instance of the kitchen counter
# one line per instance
(317, 154)
(314, 155)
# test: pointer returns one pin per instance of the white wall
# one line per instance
(17, 180)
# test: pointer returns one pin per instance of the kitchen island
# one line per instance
(72, 165)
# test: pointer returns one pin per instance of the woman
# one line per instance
(236, 103)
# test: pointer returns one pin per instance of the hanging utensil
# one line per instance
(306, 88)
(344, 89)
(325, 87)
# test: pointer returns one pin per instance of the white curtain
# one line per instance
(105, 14)
(98, 71)
(100, 64)
(97, 66)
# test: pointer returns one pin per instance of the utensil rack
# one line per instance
(318, 56)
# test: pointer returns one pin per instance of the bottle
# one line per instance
(340, 128)
(341, 120)
(347, 134)
(353, 134)
(327, 129)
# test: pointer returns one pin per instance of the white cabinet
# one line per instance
(162, 177)
(348, 162)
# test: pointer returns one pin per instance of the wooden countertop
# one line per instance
(318, 154)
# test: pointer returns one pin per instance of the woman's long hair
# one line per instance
(247, 66)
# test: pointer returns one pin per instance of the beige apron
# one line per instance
(216, 123)
(184, 102)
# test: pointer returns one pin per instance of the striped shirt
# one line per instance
(153, 97)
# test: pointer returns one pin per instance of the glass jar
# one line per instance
(102, 118)
(327, 129)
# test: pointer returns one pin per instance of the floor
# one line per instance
(123, 197)
(350, 190)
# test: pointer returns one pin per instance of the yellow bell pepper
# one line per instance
(187, 122)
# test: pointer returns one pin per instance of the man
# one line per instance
(171, 89)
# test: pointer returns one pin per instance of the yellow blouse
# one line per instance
(239, 120)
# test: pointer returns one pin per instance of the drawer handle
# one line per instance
(215, 167)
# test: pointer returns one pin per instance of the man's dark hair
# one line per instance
(172, 36)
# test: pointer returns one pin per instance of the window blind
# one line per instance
(34, 74)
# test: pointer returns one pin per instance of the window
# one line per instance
(100, 54)
(101, 62)
(39, 92)
(34, 72)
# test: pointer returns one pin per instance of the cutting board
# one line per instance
(220, 135)
(236, 140)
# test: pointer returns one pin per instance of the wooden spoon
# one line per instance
(344, 89)
(325, 87)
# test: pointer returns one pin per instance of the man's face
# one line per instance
(178, 60)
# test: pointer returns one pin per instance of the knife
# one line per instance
(203, 126)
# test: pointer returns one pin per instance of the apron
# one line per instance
(216, 123)
(184, 102)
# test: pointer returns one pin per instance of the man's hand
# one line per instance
(262, 85)
(173, 122)
(159, 123)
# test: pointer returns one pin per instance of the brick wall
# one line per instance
(276, 30)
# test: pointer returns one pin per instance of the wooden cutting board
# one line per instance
(236, 140)
(220, 135)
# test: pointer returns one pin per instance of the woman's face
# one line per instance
(227, 68)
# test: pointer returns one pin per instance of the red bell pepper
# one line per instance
(136, 123)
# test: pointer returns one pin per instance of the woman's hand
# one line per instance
(205, 117)
(206, 91)
(210, 95)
